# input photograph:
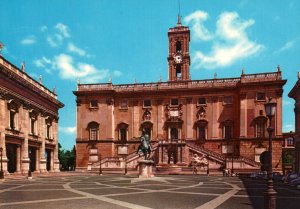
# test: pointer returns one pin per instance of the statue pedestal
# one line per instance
(145, 168)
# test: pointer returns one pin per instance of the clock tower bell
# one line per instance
(179, 56)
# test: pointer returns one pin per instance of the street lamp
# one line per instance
(100, 169)
(270, 193)
(1, 171)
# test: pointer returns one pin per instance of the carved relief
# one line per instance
(173, 113)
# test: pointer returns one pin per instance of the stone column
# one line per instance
(3, 125)
(243, 115)
(189, 119)
(160, 118)
(215, 116)
(135, 119)
(55, 151)
(110, 127)
(24, 150)
(42, 160)
(278, 119)
(18, 170)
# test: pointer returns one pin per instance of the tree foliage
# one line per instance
(66, 158)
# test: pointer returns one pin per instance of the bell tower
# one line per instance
(179, 56)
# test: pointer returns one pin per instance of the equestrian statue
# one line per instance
(145, 146)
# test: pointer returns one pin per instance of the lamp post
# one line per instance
(1, 171)
(100, 169)
(270, 193)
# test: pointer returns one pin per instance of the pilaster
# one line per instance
(243, 115)
(215, 116)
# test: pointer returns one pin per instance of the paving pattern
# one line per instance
(119, 191)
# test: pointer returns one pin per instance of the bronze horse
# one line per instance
(145, 146)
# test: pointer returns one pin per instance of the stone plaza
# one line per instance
(114, 191)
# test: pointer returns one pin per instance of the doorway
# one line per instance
(11, 153)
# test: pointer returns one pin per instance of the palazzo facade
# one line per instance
(295, 94)
(223, 120)
(28, 122)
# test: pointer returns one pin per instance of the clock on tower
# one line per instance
(179, 56)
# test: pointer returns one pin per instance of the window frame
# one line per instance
(94, 104)
(228, 103)
(121, 107)
(174, 105)
(257, 98)
(201, 104)
(148, 106)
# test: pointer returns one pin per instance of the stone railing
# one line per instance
(180, 84)
(26, 77)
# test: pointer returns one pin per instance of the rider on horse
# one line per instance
(145, 146)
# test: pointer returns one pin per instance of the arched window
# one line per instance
(93, 128)
(123, 132)
(201, 129)
(227, 129)
(260, 124)
(178, 71)
(178, 46)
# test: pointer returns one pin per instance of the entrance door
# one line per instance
(174, 134)
(48, 159)
(32, 158)
(11, 153)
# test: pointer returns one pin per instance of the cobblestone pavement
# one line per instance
(119, 191)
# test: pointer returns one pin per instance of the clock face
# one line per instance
(178, 58)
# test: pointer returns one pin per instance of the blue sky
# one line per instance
(94, 40)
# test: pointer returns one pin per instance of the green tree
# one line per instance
(66, 158)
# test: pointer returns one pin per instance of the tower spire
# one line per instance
(178, 18)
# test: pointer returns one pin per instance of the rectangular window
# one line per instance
(260, 96)
(202, 101)
(94, 104)
(123, 104)
(201, 132)
(227, 132)
(147, 103)
(227, 100)
(260, 130)
(290, 141)
(32, 124)
(174, 102)
(123, 135)
(93, 134)
(12, 119)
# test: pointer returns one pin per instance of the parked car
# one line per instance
(291, 176)
(277, 176)
(258, 175)
(295, 182)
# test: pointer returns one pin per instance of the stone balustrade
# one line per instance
(188, 84)
(26, 77)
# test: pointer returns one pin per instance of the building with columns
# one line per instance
(28, 122)
(220, 120)
(295, 94)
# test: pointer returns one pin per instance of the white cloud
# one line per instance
(87, 73)
(42, 63)
(199, 30)
(29, 40)
(63, 29)
(230, 42)
(61, 33)
(73, 48)
(67, 130)
(43, 28)
(117, 73)
(288, 45)
(288, 128)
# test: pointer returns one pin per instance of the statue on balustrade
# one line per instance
(145, 146)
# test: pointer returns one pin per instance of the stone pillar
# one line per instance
(135, 119)
(3, 125)
(110, 127)
(189, 119)
(243, 115)
(160, 118)
(24, 150)
(55, 151)
(42, 161)
(18, 170)
(215, 116)
(37, 160)
(3, 145)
